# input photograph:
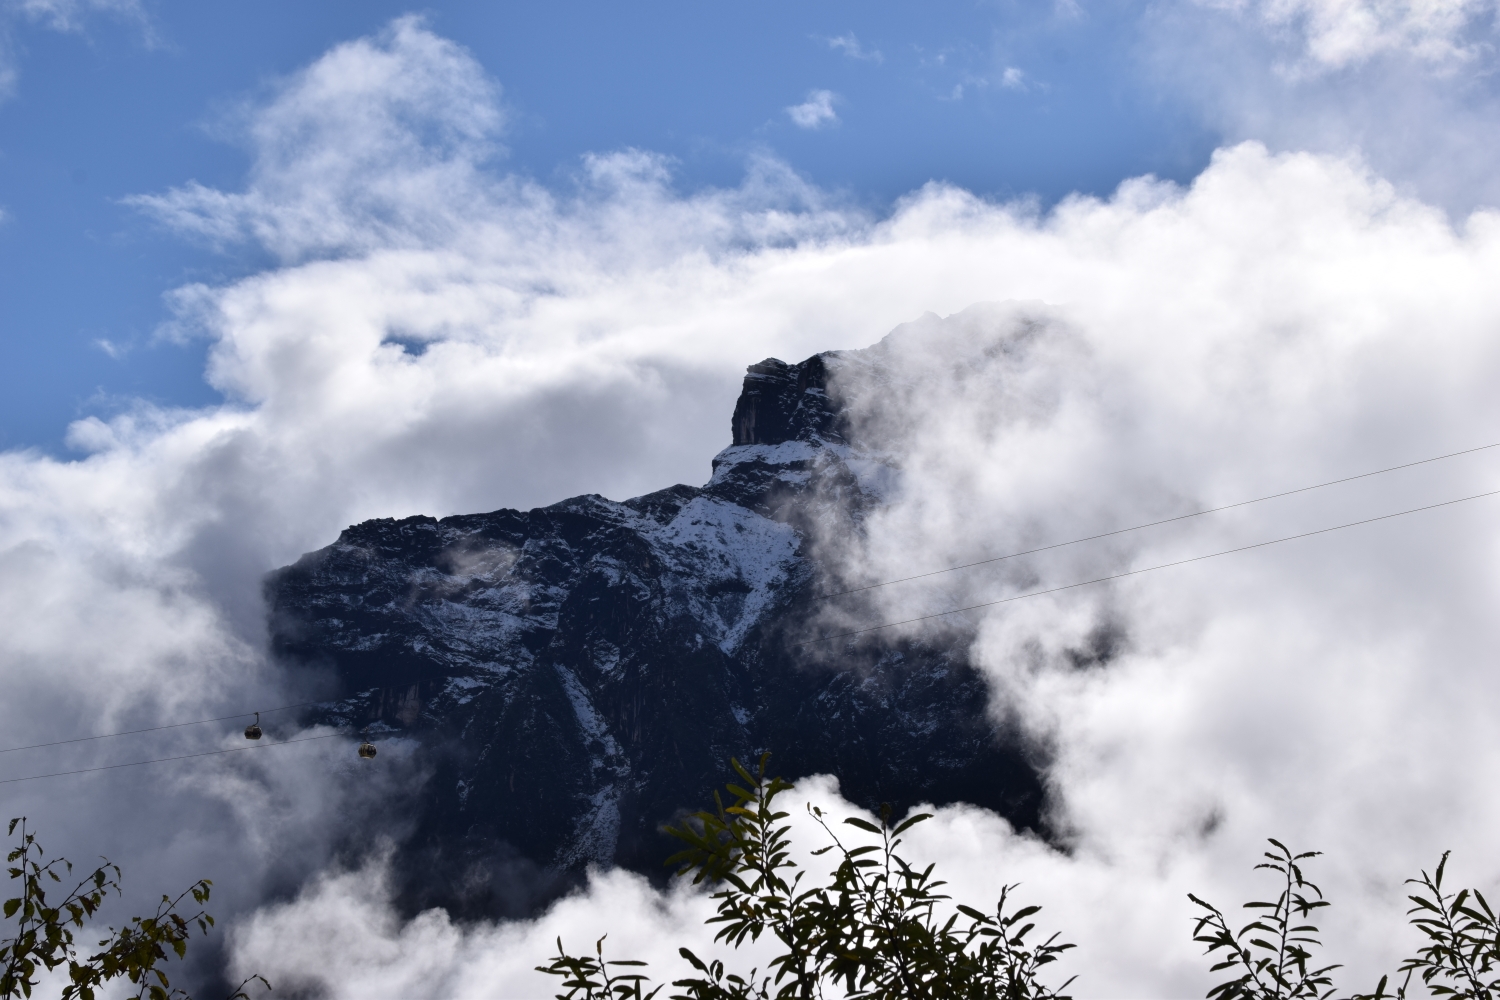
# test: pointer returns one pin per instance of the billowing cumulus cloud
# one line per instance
(440, 337)
(340, 932)
(377, 144)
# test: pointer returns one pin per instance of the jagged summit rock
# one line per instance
(576, 675)
(782, 402)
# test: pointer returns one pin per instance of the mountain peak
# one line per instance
(782, 402)
(571, 677)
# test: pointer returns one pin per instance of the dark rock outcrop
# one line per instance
(782, 402)
(576, 675)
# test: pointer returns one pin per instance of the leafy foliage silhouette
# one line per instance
(1462, 954)
(1272, 957)
(878, 928)
(1271, 953)
(41, 933)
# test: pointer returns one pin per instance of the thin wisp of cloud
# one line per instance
(850, 46)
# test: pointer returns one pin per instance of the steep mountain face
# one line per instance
(577, 675)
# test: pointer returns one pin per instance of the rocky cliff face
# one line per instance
(577, 675)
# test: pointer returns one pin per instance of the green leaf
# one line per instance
(740, 770)
(910, 822)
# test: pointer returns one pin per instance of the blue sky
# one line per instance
(1004, 99)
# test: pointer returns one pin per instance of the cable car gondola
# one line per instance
(367, 751)
(252, 731)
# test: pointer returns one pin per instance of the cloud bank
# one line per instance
(441, 337)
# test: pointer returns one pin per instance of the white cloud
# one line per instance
(113, 349)
(1408, 85)
(815, 112)
(1283, 319)
(850, 46)
(341, 935)
(1013, 79)
(1211, 328)
(380, 141)
(1249, 696)
(1335, 34)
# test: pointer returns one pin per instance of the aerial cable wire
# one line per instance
(155, 729)
(158, 760)
(873, 586)
(1152, 524)
(1143, 569)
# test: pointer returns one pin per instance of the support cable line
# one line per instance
(872, 586)
(1153, 524)
(1143, 569)
(158, 760)
(155, 729)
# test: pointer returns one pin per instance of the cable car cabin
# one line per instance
(367, 751)
(252, 731)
